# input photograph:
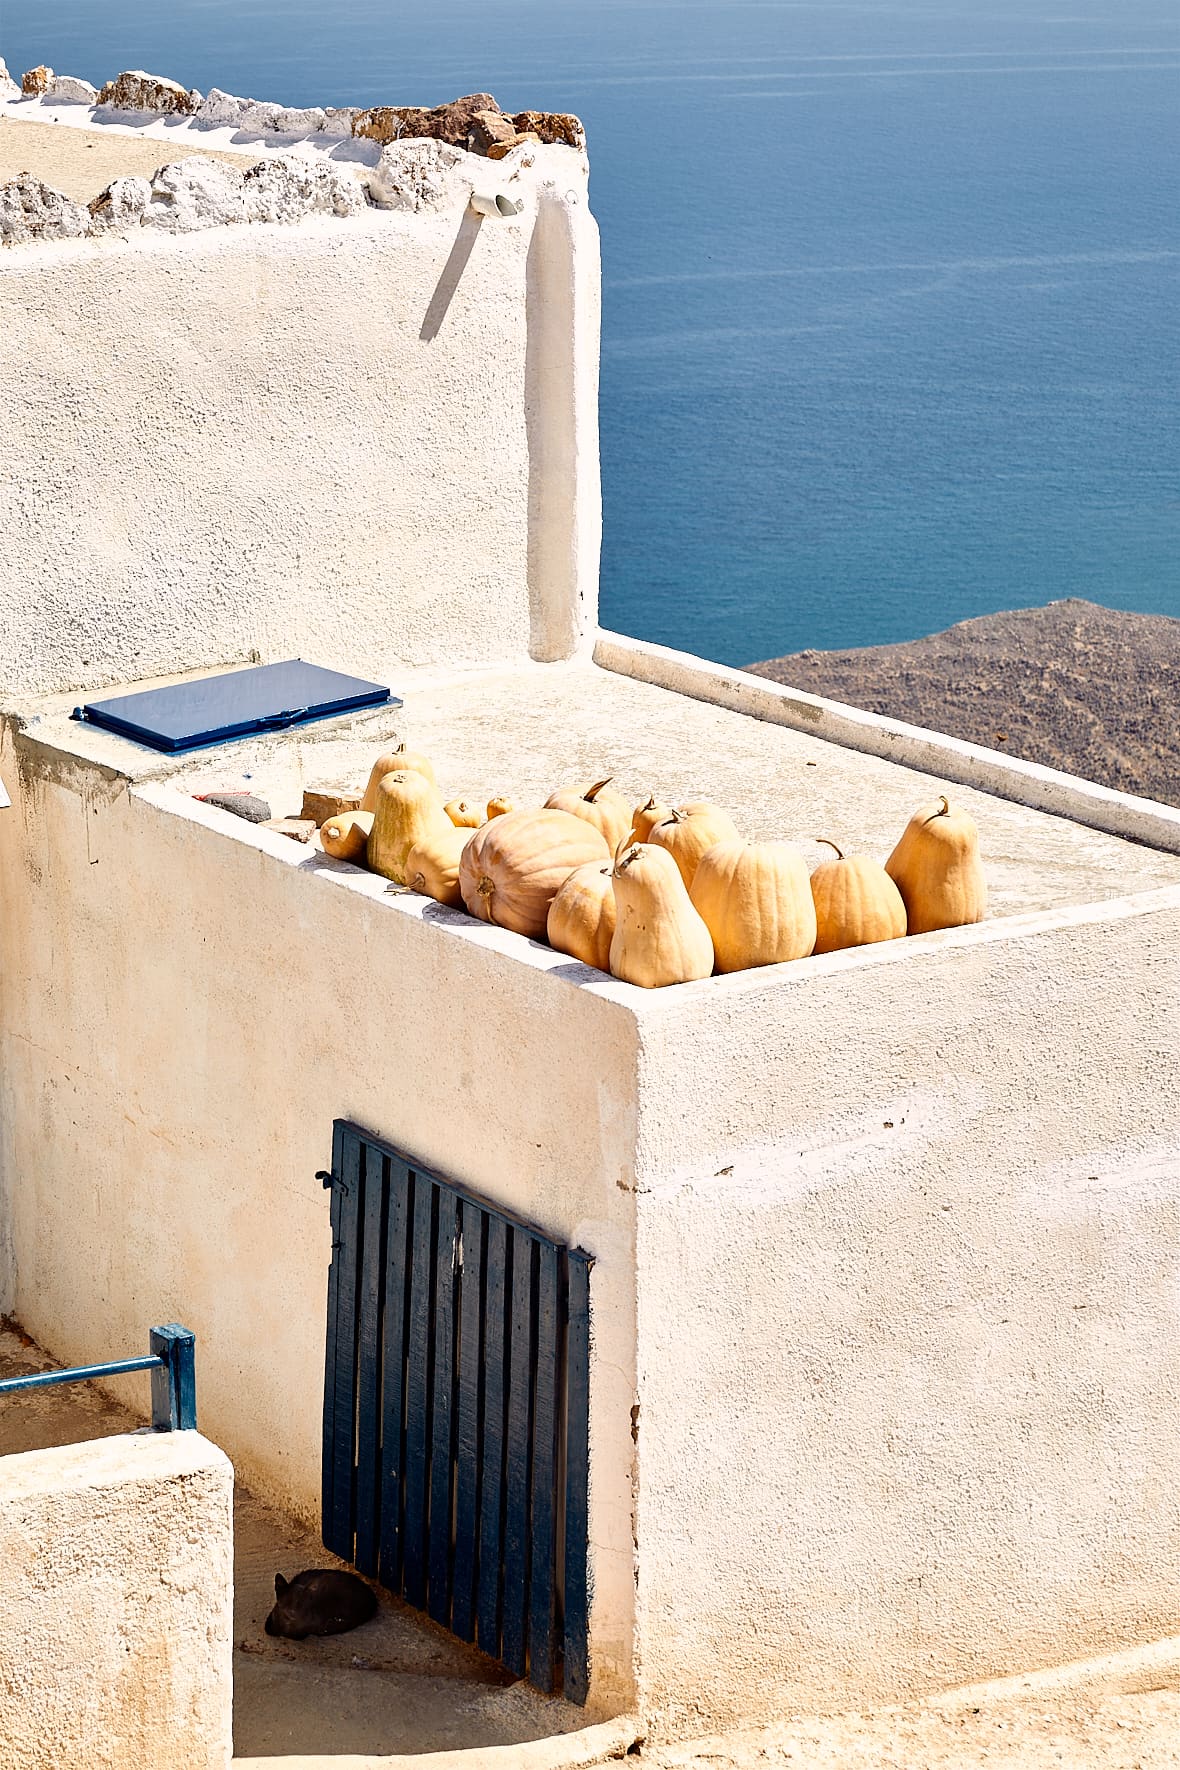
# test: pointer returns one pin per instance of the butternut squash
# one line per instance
(393, 762)
(937, 869)
(581, 918)
(432, 865)
(346, 836)
(659, 938)
(599, 805)
(407, 808)
(690, 831)
(755, 900)
(856, 902)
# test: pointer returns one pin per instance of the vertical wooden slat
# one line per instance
(543, 1568)
(415, 1547)
(370, 1297)
(518, 1469)
(442, 1447)
(338, 1531)
(577, 1469)
(328, 1453)
(469, 1435)
(492, 1471)
(393, 1365)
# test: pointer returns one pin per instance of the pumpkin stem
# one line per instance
(828, 843)
(625, 860)
(675, 817)
(591, 793)
(944, 808)
(651, 803)
(486, 886)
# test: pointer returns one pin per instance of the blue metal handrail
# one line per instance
(172, 1362)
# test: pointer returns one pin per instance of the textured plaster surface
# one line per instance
(343, 440)
(908, 1325)
(285, 990)
(116, 1593)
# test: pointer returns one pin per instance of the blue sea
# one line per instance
(892, 291)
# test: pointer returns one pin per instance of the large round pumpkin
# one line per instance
(599, 804)
(514, 866)
(755, 900)
(399, 761)
(581, 917)
(856, 902)
(407, 808)
(432, 865)
(937, 869)
(690, 831)
(659, 938)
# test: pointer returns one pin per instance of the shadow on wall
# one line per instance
(452, 272)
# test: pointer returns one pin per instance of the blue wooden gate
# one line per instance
(456, 1411)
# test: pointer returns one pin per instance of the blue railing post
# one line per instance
(174, 1384)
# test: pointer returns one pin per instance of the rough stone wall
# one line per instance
(116, 1589)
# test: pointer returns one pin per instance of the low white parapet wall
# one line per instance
(116, 1590)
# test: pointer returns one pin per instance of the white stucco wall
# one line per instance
(188, 1004)
(116, 1589)
(909, 1316)
(881, 1445)
(365, 441)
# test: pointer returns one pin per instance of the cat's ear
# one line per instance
(280, 1585)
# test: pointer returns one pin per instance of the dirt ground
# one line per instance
(1073, 685)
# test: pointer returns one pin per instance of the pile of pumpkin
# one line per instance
(655, 895)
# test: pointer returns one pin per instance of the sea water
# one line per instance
(891, 329)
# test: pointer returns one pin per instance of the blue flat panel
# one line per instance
(517, 1460)
(415, 1545)
(370, 1304)
(396, 1335)
(442, 1452)
(339, 1531)
(237, 703)
(491, 1474)
(543, 1570)
(577, 1470)
(470, 1434)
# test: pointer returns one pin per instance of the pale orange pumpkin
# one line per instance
(498, 807)
(645, 818)
(407, 808)
(581, 917)
(690, 831)
(463, 815)
(432, 865)
(346, 836)
(659, 938)
(755, 900)
(599, 804)
(514, 866)
(396, 761)
(937, 869)
(856, 902)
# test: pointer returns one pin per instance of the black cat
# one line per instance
(321, 1601)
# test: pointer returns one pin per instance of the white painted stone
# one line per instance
(122, 206)
(195, 193)
(287, 190)
(222, 107)
(65, 89)
(30, 210)
(116, 1570)
(299, 122)
(338, 119)
(9, 88)
(421, 175)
